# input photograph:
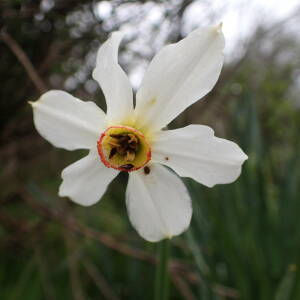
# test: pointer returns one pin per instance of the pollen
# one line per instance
(123, 148)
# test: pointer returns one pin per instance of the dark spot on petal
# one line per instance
(166, 158)
(146, 170)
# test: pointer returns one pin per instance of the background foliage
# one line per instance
(244, 240)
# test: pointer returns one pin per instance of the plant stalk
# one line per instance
(162, 271)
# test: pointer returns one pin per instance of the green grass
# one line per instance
(243, 242)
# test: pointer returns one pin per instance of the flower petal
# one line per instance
(158, 203)
(195, 152)
(68, 122)
(86, 180)
(179, 75)
(113, 81)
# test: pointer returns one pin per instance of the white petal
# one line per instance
(158, 203)
(113, 81)
(68, 122)
(179, 75)
(195, 152)
(86, 180)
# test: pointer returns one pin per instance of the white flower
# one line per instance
(131, 139)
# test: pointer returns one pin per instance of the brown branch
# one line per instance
(183, 287)
(175, 267)
(70, 223)
(100, 281)
(56, 52)
(225, 291)
(24, 60)
(73, 265)
(48, 288)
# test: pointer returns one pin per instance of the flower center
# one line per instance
(123, 148)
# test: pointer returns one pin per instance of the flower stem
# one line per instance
(162, 274)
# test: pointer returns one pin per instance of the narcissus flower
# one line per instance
(132, 139)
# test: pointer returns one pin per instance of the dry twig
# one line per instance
(183, 287)
(100, 281)
(176, 268)
(24, 60)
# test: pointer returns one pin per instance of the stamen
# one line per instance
(113, 151)
(125, 144)
(132, 138)
(114, 142)
(123, 148)
(130, 155)
(116, 135)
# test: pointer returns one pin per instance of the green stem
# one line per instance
(162, 274)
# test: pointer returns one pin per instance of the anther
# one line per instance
(113, 151)
(130, 155)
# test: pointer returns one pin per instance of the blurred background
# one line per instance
(244, 241)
